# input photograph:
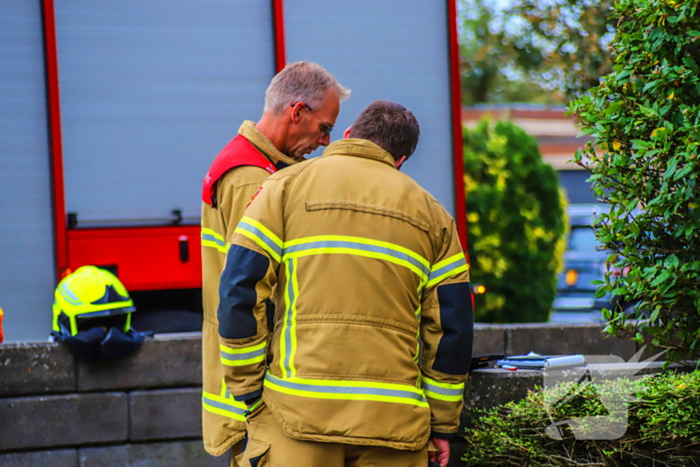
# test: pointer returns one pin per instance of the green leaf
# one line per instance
(597, 282)
(671, 261)
(622, 75)
(670, 168)
(652, 85)
(648, 111)
(683, 172)
(654, 315)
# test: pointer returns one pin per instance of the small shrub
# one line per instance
(516, 224)
(663, 426)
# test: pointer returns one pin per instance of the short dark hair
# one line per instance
(390, 126)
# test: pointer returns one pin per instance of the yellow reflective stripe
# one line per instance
(347, 390)
(293, 329)
(212, 239)
(243, 356)
(447, 261)
(366, 241)
(213, 233)
(447, 268)
(261, 235)
(241, 350)
(226, 407)
(456, 386)
(358, 246)
(288, 338)
(449, 392)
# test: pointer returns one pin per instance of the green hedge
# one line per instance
(645, 162)
(663, 426)
(516, 224)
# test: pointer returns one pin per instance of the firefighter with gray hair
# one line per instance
(301, 107)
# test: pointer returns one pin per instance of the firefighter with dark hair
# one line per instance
(365, 358)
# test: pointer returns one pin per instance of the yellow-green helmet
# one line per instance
(91, 297)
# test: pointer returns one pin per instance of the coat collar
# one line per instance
(359, 148)
(262, 144)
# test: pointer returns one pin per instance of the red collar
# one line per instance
(238, 152)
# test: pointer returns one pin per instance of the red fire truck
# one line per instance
(112, 111)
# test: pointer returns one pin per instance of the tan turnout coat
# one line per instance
(366, 265)
(223, 419)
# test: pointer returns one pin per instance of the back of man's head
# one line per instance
(301, 82)
(390, 126)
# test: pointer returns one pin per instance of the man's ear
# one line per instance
(296, 112)
(400, 161)
(346, 135)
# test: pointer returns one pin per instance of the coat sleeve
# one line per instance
(446, 328)
(246, 284)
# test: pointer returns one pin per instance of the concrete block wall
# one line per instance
(145, 409)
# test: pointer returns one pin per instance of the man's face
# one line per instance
(307, 132)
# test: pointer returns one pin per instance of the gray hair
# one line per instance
(301, 82)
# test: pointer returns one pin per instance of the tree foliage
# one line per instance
(564, 41)
(516, 227)
(489, 72)
(645, 118)
(663, 426)
(542, 51)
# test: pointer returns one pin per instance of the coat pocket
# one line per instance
(256, 454)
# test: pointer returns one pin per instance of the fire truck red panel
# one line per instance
(153, 258)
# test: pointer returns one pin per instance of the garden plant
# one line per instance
(645, 120)
(516, 224)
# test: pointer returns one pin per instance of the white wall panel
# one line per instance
(396, 50)
(26, 227)
(150, 93)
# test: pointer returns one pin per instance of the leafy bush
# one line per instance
(645, 117)
(663, 426)
(516, 226)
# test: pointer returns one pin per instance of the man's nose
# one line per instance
(325, 140)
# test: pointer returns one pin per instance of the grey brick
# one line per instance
(169, 454)
(488, 339)
(55, 458)
(37, 368)
(487, 388)
(71, 420)
(167, 361)
(162, 414)
(557, 339)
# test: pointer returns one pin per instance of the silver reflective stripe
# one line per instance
(68, 295)
(365, 389)
(440, 390)
(261, 235)
(356, 246)
(243, 356)
(437, 273)
(212, 238)
(223, 405)
(288, 345)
